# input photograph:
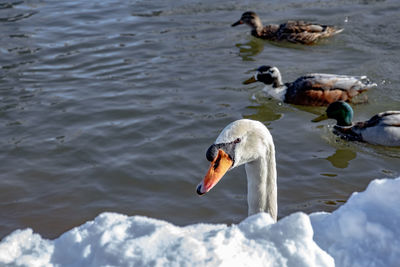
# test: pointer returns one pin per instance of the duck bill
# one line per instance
(237, 23)
(220, 165)
(251, 80)
(320, 118)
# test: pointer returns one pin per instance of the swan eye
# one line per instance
(238, 140)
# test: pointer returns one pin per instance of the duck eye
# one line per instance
(237, 140)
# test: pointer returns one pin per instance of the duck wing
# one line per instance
(338, 82)
(305, 32)
(383, 119)
(381, 129)
(320, 89)
(268, 32)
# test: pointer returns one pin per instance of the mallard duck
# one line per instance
(316, 89)
(381, 129)
(245, 142)
(292, 31)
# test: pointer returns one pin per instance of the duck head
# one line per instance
(339, 111)
(267, 75)
(250, 18)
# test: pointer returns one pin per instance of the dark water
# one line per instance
(110, 106)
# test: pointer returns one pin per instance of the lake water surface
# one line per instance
(111, 105)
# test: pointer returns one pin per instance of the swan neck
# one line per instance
(261, 184)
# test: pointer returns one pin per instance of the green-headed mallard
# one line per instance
(381, 129)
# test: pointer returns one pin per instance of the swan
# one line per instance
(245, 142)
(292, 31)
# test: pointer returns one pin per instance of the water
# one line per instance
(110, 106)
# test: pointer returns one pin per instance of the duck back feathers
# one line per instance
(304, 32)
(322, 89)
(381, 129)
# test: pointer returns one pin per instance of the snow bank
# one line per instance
(366, 230)
(363, 232)
(118, 240)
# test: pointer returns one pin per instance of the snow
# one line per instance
(365, 231)
(362, 232)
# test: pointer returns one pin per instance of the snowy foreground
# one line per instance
(363, 232)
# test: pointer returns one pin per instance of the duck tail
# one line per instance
(332, 30)
(337, 30)
(368, 84)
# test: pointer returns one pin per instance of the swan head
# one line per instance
(241, 142)
(250, 18)
(267, 75)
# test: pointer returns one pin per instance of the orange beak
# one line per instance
(217, 170)
(250, 80)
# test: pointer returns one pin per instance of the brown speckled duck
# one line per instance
(315, 89)
(293, 31)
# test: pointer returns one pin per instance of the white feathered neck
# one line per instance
(257, 151)
(277, 89)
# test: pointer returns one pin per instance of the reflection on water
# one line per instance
(329, 174)
(335, 202)
(250, 49)
(264, 113)
(13, 13)
(341, 158)
(311, 109)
